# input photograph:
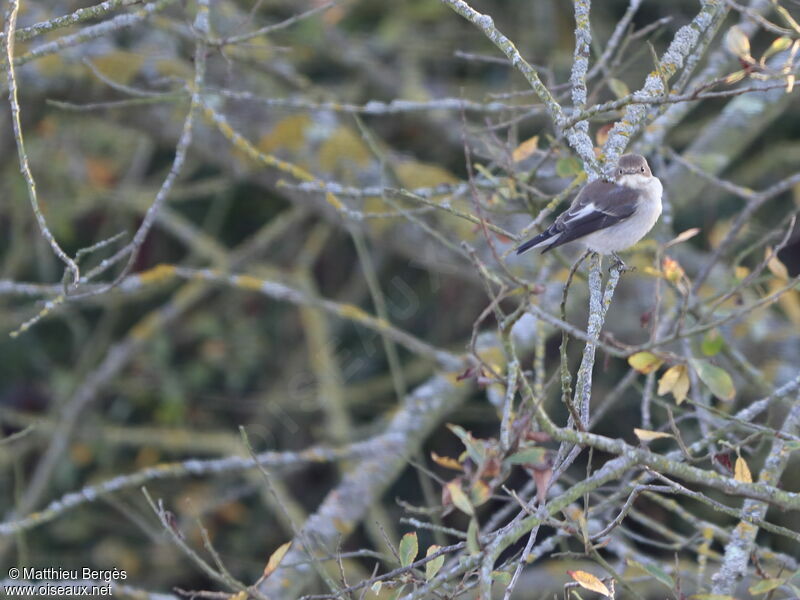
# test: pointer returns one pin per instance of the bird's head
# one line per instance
(632, 164)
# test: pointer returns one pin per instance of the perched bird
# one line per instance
(607, 217)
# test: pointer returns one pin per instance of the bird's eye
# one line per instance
(619, 171)
(642, 169)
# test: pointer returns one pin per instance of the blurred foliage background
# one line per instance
(362, 94)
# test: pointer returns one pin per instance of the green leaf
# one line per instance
(779, 45)
(568, 167)
(474, 447)
(501, 577)
(645, 362)
(787, 17)
(408, 549)
(472, 537)
(655, 571)
(432, 567)
(619, 88)
(532, 455)
(712, 343)
(766, 585)
(717, 379)
(398, 592)
(660, 575)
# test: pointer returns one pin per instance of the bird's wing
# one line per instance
(599, 205)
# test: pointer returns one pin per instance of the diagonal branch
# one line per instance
(685, 40)
(742, 541)
(577, 138)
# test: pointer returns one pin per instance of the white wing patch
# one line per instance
(583, 212)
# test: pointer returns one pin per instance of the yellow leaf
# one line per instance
(775, 265)
(682, 237)
(494, 358)
(735, 77)
(480, 493)
(525, 149)
(168, 67)
(645, 362)
(289, 133)
(51, 65)
(413, 174)
(737, 42)
(652, 272)
(719, 230)
(276, 559)
(668, 379)
(158, 274)
(646, 435)
(779, 45)
(432, 567)
(119, 66)
(741, 471)
(589, 582)
(766, 585)
(619, 88)
(741, 273)
(501, 577)
(447, 462)
(787, 16)
(790, 303)
(681, 388)
(672, 269)
(459, 498)
(343, 147)
(675, 380)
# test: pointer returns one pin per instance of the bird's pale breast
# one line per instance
(625, 234)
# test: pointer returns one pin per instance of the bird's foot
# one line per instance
(619, 264)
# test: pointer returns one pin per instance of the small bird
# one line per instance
(607, 217)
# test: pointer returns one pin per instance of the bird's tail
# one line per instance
(539, 240)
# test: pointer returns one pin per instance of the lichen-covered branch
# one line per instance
(680, 48)
(740, 546)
